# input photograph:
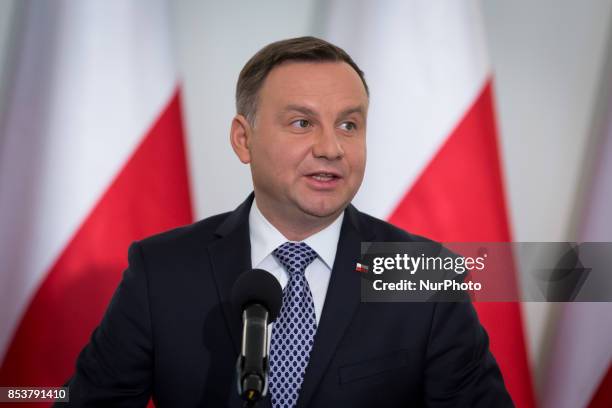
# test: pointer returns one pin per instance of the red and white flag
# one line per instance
(92, 158)
(361, 268)
(433, 160)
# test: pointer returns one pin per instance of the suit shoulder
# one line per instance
(385, 231)
(197, 234)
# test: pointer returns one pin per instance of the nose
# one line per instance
(327, 145)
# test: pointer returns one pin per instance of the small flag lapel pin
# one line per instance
(361, 268)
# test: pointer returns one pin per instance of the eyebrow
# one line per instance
(300, 109)
(307, 111)
(357, 109)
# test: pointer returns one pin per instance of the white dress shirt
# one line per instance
(265, 238)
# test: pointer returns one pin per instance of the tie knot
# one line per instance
(295, 256)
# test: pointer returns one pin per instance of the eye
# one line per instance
(348, 126)
(300, 123)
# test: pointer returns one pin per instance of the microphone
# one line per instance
(258, 296)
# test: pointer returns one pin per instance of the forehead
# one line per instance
(301, 82)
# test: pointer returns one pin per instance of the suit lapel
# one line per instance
(341, 301)
(230, 256)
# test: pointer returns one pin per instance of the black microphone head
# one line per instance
(258, 286)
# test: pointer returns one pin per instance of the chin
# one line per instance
(323, 210)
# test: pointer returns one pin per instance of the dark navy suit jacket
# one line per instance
(170, 331)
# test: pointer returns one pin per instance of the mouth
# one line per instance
(322, 180)
(324, 175)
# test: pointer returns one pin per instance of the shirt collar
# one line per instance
(265, 238)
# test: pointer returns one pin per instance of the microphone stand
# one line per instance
(252, 367)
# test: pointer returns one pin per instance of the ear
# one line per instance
(240, 137)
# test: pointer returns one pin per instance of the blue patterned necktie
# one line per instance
(294, 330)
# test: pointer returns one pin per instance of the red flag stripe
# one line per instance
(603, 396)
(459, 197)
(150, 194)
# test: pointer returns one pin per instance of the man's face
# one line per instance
(307, 148)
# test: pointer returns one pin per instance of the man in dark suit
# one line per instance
(170, 331)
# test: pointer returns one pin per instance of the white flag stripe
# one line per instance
(425, 66)
(582, 355)
(582, 346)
(76, 72)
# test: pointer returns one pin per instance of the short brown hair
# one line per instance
(304, 49)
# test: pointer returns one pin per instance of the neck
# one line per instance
(296, 228)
